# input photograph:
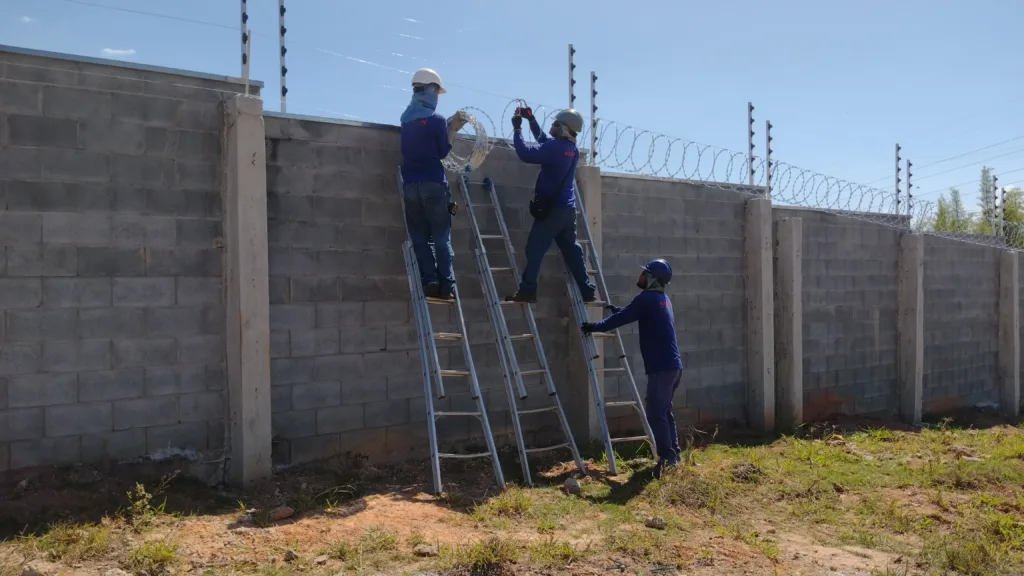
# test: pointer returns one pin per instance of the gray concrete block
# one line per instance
(103, 261)
(65, 102)
(145, 353)
(199, 232)
(21, 424)
(390, 363)
(279, 291)
(315, 290)
(287, 208)
(20, 293)
(363, 390)
(339, 314)
(294, 424)
(42, 132)
(199, 291)
(280, 399)
(409, 386)
(316, 395)
(21, 163)
(201, 349)
(17, 228)
(77, 419)
(320, 342)
(194, 262)
(110, 385)
(145, 412)
(45, 452)
(184, 320)
(369, 339)
(292, 262)
(76, 355)
(175, 380)
(16, 359)
(110, 323)
(293, 317)
(177, 203)
(32, 390)
(33, 325)
(146, 171)
(294, 370)
(386, 413)
(3, 394)
(147, 109)
(113, 136)
(21, 97)
(155, 292)
(195, 174)
(140, 231)
(72, 292)
(75, 166)
(378, 313)
(339, 419)
(116, 446)
(190, 436)
(280, 344)
(336, 368)
(194, 145)
(42, 260)
(202, 407)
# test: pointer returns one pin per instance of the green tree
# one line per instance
(950, 215)
(1013, 217)
(987, 202)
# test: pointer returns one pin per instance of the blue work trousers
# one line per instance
(430, 229)
(559, 227)
(661, 386)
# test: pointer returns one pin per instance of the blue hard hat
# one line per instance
(660, 270)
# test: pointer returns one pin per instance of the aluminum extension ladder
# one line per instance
(434, 375)
(590, 354)
(505, 341)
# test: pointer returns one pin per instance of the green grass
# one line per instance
(152, 558)
(491, 557)
(73, 543)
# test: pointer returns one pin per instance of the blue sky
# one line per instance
(840, 81)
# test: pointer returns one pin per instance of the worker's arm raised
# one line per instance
(538, 134)
(533, 153)
(623, 316)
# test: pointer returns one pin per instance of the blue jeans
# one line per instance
(560, 227)
(661, 386)
(430, 229)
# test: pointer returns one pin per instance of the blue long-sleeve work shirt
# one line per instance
(424, 144)
(557, 159)
(653, 310)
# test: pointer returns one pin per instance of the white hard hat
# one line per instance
(428, 76)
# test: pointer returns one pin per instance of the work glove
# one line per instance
(612, 308)
(587, 327)
(517, 122)
(453, 208)
(527, 113)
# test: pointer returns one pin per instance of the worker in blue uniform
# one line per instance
(426, 140)
(652, 308)
(554, 204)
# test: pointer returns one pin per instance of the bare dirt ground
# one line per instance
(838, 499)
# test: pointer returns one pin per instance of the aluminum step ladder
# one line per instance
(434, 375)
(590, 354)
(496, 306)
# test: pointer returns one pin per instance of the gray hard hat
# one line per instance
(571, 119)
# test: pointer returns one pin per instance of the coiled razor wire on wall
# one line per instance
(480, 147)
(631, 150)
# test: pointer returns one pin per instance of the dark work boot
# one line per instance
(432, 290)
(589, 296)
(523, 297)
(447, 293)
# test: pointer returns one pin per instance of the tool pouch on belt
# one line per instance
(540, 206)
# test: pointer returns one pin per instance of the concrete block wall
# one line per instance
(961, 325)
(700, 231)
(850, 281)
(111, 307)
(346, 372)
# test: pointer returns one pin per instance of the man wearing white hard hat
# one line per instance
(427, 139)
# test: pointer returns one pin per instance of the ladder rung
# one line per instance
(496, 269)
(591, 271)
(537, 372)
(447, 336)
(507, 303)
(538, 410)
(615, 404)
(519, 337)
(596, 304)
(491, 237)
(441, 414)
(581, 241)
(454, 372)
(440, 301)
(465, 456)
(604, 335)
(630, 439)
(483, 205)
(619, 369)
(546, 448)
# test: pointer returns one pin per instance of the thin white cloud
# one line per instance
(118, 52)
(408, 36)
(412, 20)
(27, 20)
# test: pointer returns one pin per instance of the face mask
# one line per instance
(642, 282)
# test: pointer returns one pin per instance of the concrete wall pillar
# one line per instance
(579, 402)
(789, 333)
(911, 326)
(1009, 334)
(248, 298)
(760, 327)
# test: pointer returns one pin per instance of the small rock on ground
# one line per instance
(320, 560)
(281, 513)
(571, 486)
(290, 555)
(656, 522)
(39, 568)
(425, 550)
(116, 572)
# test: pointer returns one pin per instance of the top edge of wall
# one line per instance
(5, 49)
(327, 120)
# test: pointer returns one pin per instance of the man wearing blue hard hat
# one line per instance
(652, 308)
